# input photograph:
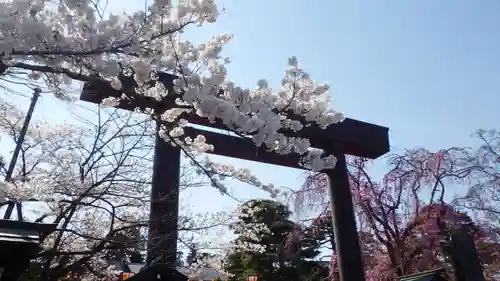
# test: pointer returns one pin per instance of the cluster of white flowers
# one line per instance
(58, 42)
(104, 199)
(43, 140)
(75, 244)
(249, 231)
(197, 269)
(265, 115)
(76, 175)
(219, 172)
(240, 245)
(189, 145)
(253, 232)
(67, 40)
(22, 191)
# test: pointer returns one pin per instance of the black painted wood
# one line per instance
(164, 207)
(344, 223)
(19, 243)
(351, 137)
(236, 147)
(466, 261)
(358, 138)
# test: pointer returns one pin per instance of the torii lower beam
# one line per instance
(351, 137)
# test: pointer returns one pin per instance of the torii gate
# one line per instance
(350, 137)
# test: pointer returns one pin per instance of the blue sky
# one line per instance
(426, 69)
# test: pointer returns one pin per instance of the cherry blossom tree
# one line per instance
(59, 43)
(482, 196)
(90, 181)
(404, 217)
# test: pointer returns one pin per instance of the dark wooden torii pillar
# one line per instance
(350, 137)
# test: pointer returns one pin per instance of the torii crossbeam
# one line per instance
(350, 137)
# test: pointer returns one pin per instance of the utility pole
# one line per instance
(15, 155)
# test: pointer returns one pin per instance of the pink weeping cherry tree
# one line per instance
(405, 216)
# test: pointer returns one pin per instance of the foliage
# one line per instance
(57, 44)
(92, 178)
(88, 180)
(95, 192)
(404, 218)
(322, 230)
(192, 255)
(262, 247)
(180, 259)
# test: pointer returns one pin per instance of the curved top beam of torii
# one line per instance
(357, 138)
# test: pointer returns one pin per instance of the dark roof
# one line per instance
(162, 270)
(207, 273)
(430, 275)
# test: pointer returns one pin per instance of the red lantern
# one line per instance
(125, 275)
(252, 278)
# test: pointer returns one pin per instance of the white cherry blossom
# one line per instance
(57, 42)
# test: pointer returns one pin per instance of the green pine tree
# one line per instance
(279, 260)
